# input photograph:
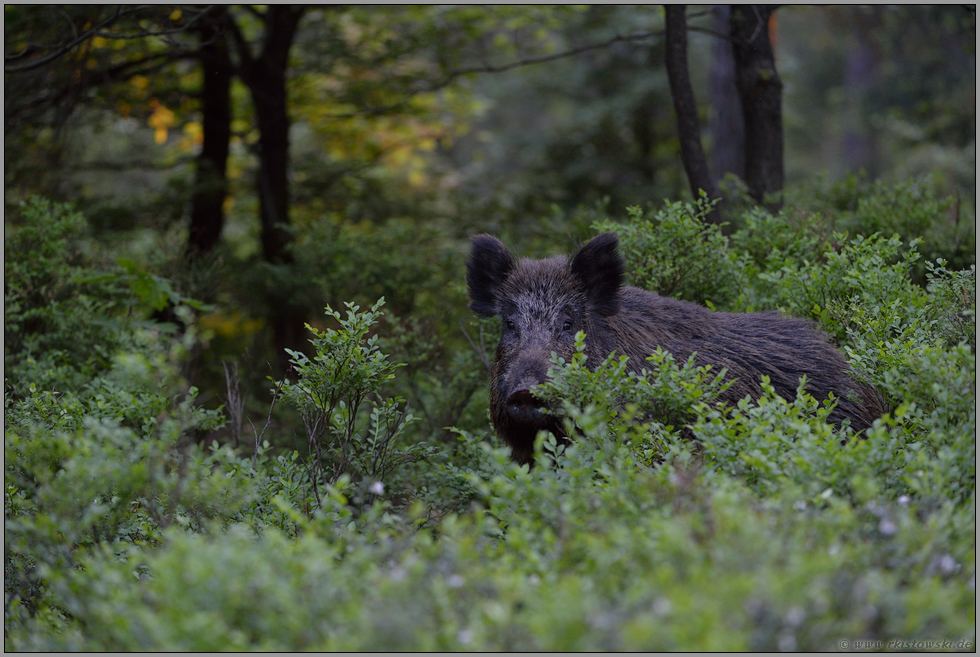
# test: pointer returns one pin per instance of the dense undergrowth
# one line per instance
(128, 526)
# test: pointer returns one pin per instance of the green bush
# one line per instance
(911, 209)
(678, 254)
(347, 371)
(57, 327)
(861, 274)
(669, 522)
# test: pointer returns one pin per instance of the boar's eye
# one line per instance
(509, 323)
(566, 325)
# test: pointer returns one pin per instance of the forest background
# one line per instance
(233, 170)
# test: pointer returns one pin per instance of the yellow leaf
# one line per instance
(161, 117)
(195, 131)
(175, 15)
(140, 82)
(160, 135)
(416, 178)
(99, 42)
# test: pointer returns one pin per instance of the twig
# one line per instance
(268, 420)
(500, 68)
(95, 31)
(481, 351)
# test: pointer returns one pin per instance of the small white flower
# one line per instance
(904, 500)
(795, 616)
(377, 488)
(887, 527)
(455, 581)
(947, 564)
(465, 636)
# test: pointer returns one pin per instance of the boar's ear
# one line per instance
(599, 267)
(488, 267)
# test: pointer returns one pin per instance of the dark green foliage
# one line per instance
(335, 523)
(756, 526)
(57, 326)
(910, 209)
(678, 254)
(351, 429)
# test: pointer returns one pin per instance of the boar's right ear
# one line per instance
(488, 267)
(600, 269)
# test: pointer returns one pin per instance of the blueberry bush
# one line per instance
(669, 523)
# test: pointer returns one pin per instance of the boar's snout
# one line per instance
(522, 407)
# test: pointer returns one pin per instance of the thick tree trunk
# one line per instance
(688, 126)
(726, 124)
(210, 183)
(760, 89)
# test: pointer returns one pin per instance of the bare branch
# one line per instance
(500, 68)
(714, 33)
(59, 50)
(95, 31)
(241, 45)
(481, 351)
(487, 68)
(157, 33)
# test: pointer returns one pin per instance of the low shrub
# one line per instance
(670, 522)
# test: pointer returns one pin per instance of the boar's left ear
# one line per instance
(599, 267)
(488, 267)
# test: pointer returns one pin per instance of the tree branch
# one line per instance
(95, 31)
(241, 46)
(158, 33)
(452, 76)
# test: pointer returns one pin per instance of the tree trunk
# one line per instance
(272, 183)
(265, 77)
(688, 127)
(210, 182)
(860, 71)
(726, 124)
(760, 90)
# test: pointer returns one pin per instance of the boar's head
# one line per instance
(542, 305)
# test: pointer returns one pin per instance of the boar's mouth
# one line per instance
(529, 412)
(522, 418)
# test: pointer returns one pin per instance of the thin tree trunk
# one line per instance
(685, 106)
(210, 183)
(760, 89)
(726, 124)
(272, 183)
(265, 77)
(860, 70)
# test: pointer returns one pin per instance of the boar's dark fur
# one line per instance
(544, 303)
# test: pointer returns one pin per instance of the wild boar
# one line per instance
(544, 303)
